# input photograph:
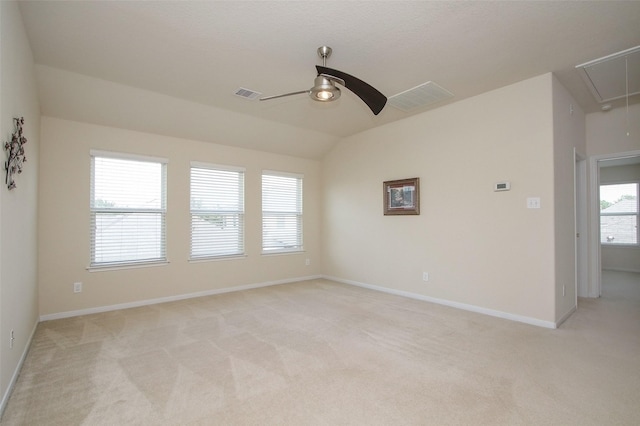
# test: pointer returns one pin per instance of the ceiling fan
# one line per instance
(325, 90)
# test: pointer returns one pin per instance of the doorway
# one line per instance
(597, 164)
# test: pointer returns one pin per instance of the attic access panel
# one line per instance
(607, 77)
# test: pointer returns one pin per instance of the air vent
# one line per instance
(420, 96)
(247, 94)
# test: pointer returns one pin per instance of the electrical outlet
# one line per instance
(77, 287)
(307, 262)
(11, 339)
(533, 202)
(425, 276)
(564, 293)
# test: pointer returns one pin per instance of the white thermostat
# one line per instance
(502, 186)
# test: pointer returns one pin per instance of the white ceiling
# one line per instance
(173, 67)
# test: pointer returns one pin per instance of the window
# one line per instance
(128, 209)
(217, 211)
(619, 214)
(281, 212)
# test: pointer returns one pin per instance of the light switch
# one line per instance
(533, 202)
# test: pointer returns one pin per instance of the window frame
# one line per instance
(94, 212)
(240, 213)
(298, 247)
(621, 214)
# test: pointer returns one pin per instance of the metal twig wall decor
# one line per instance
(15, 150)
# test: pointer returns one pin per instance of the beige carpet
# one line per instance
(322, 353)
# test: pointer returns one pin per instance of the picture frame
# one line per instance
(402, 197)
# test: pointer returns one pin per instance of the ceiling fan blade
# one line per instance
(369, 94)
(266, 98)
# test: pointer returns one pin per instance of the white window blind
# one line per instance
(281, 212)
(217, 211)
(619, 213)
(128, 209)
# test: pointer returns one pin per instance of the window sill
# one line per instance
(217, 258)
(116, 267)
(282, 252)
(628, 246)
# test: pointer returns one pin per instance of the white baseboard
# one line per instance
(458, 305)
(16, 372)
(146, 302)
(566, 316)
(453, 304)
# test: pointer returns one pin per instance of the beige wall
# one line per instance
(18, 207)
(569, 139)
(619, 174)
(481, 248)
(607, 131)
(608, 135)
(86, 99)
(620, 258)
(64, 220)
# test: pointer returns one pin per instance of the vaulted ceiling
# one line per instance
(173, 67)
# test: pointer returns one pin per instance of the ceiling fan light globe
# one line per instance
(324, 90)
(324, 95)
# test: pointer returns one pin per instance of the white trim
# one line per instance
(175, 298)
(620, 182)
(125, 265)
(283, 174)
(609, 57)
(222, 167)
(275, 252)
(622, 245)
(595, 256)
(16, 373)
(217, 258)
(450, 303)
(127, 156)
(566, 316)
(581, 248)
(595, 276)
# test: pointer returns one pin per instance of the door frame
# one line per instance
(581, 229)
(595, 256)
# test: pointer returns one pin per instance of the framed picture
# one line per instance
(402, 196)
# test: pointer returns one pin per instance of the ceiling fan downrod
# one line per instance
(324, 52)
